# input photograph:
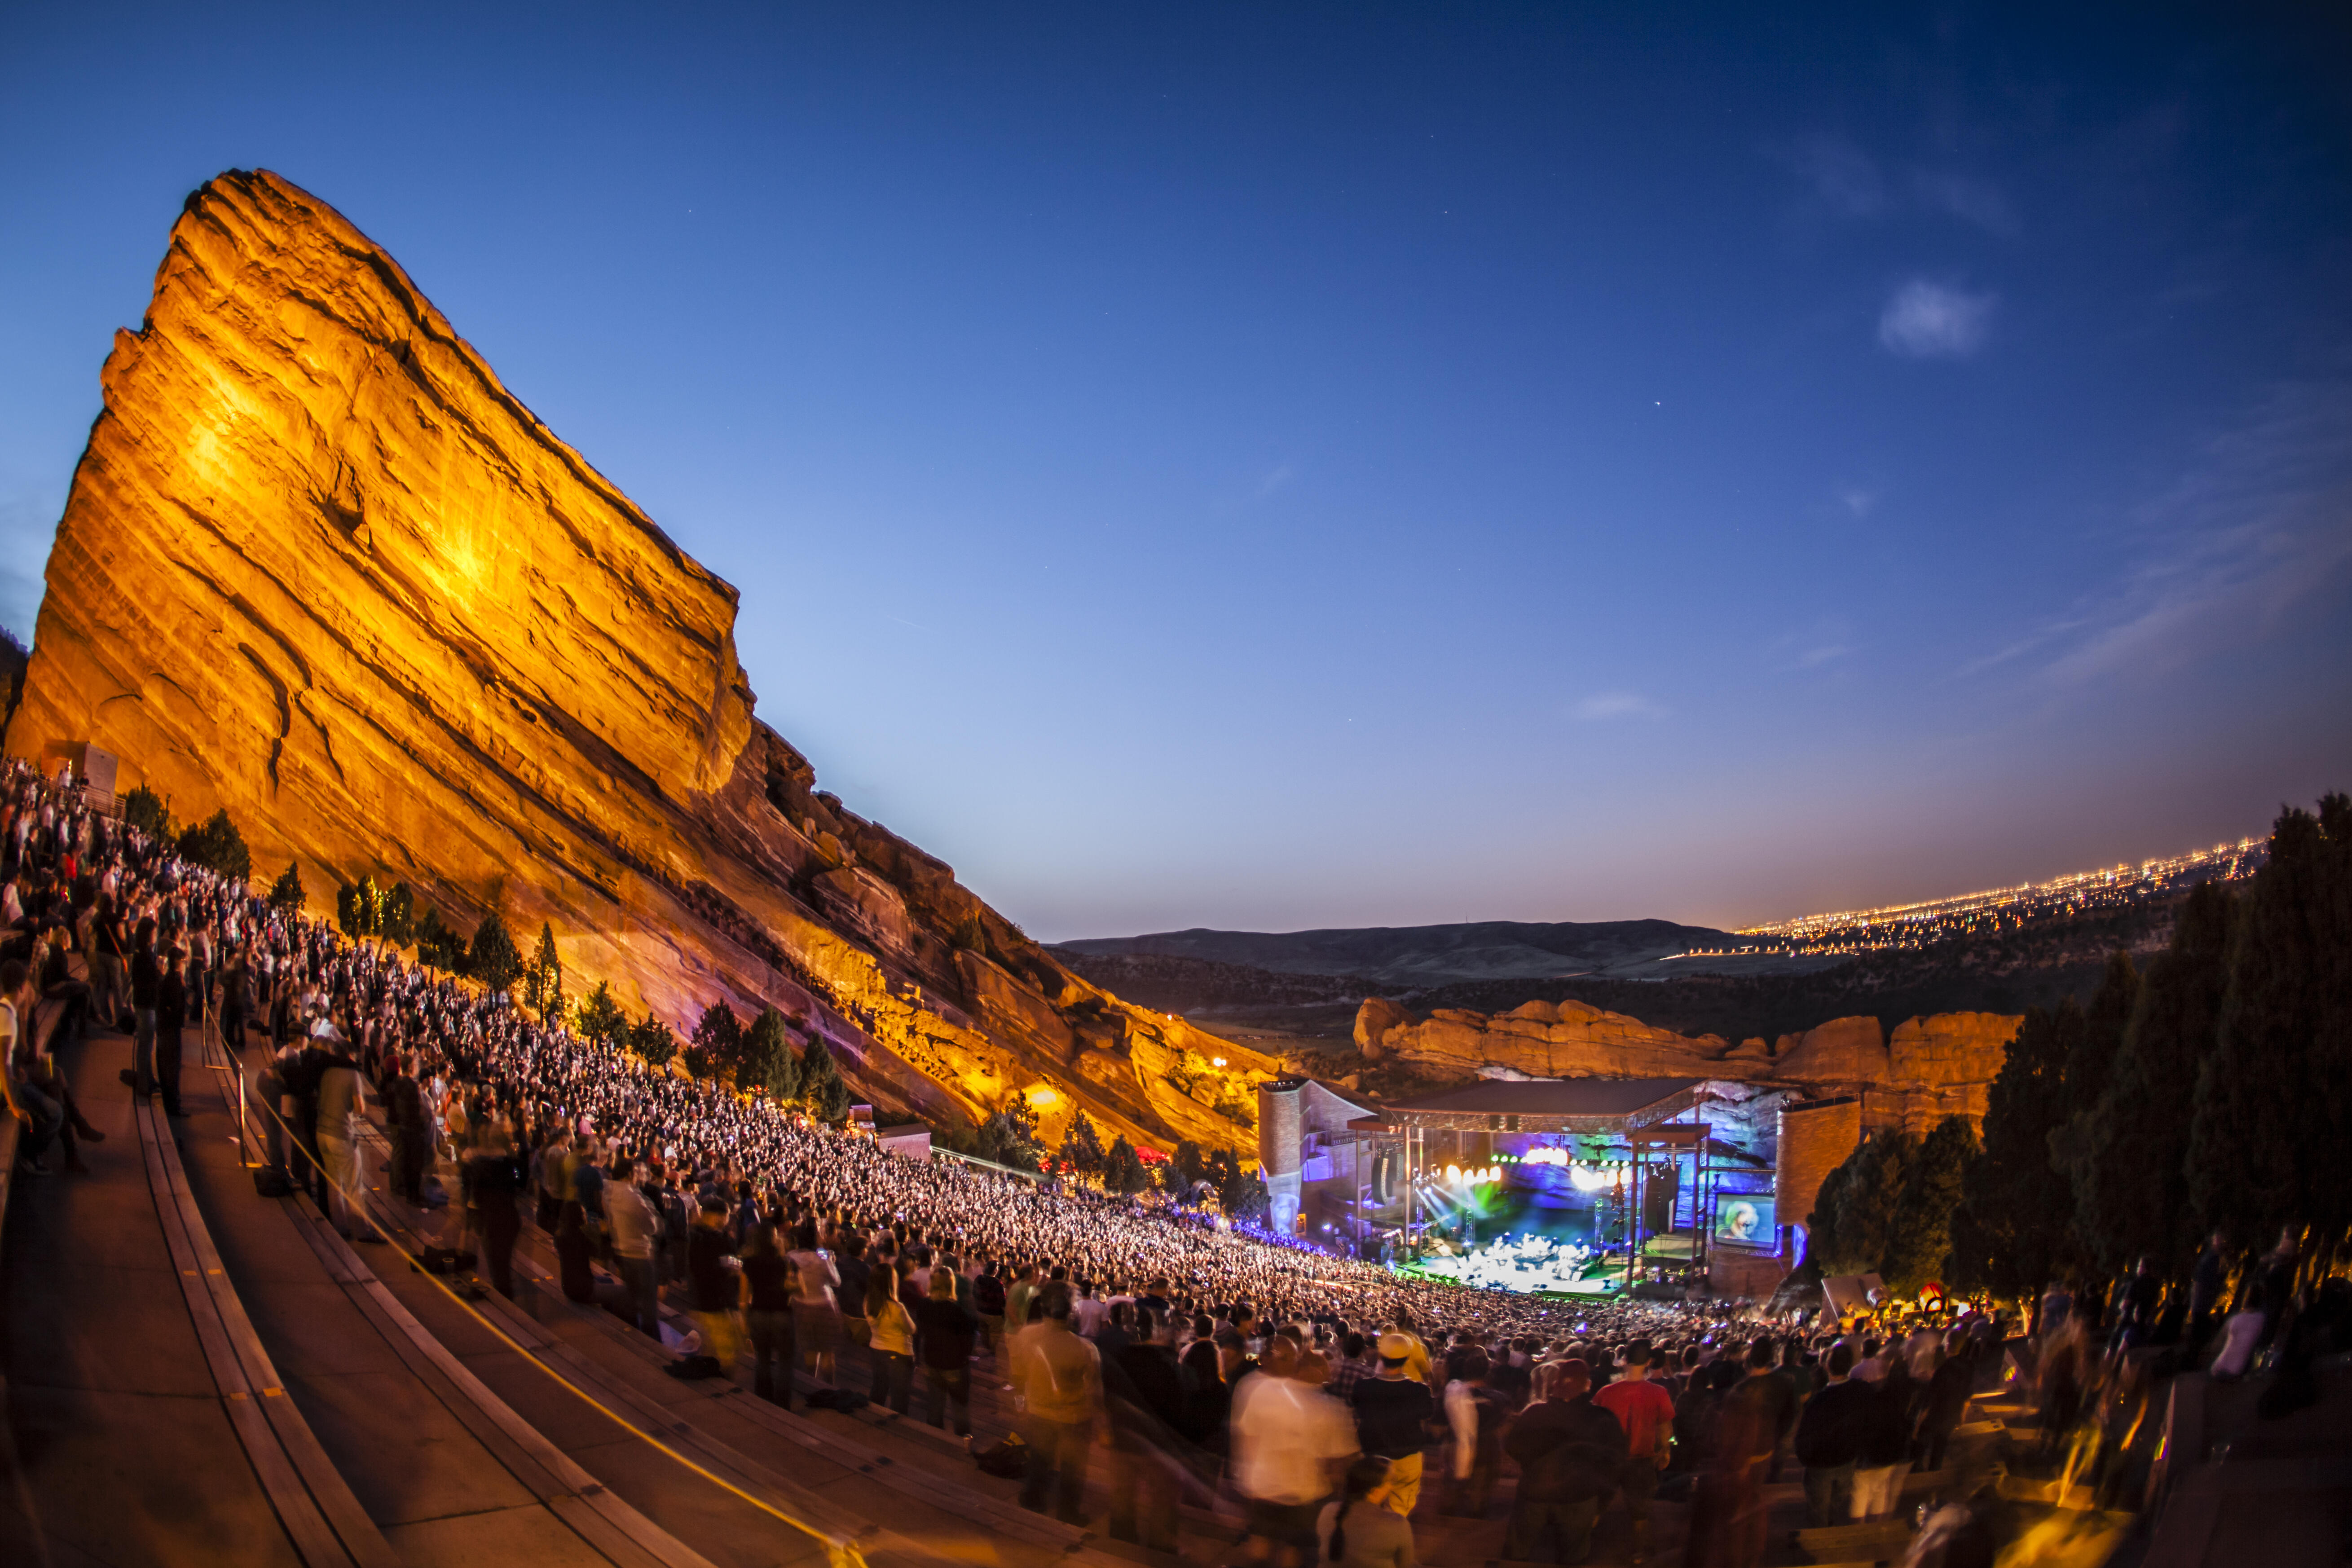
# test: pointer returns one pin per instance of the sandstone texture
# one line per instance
(1929, 1068)
(320, 567)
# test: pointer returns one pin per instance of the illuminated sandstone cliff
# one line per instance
(319, 566)
(1929, 1067)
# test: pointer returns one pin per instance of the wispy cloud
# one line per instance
(1276, 478)
(1925, 319)
(1615, 705)
(1814, 658)
(2259, 524)
(1978, 202)
(1841, 176)
(1858, 500)
(1846, 182)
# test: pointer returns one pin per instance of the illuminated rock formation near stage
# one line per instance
(1929, 1068)
(320, 567)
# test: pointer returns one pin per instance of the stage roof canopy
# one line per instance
(1563, 1105)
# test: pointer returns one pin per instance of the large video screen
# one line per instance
(1746, 1219)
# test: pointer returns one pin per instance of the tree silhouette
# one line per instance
(601, 1019)
(766, 1061)
(494, 960)
(286, 894)
(822, 1086)
(542, 982)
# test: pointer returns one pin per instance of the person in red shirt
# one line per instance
(1647, 1414)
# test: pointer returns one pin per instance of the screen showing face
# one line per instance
(1745, 1220)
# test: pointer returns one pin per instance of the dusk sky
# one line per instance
(1271, 467)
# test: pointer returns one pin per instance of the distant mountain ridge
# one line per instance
(1426, 955)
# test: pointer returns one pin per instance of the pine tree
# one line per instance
(1919, 1243)
(1186, 1166)
(542, 983)
(150, 813)
(719, 1040)
(285, 893)
(437, 947)
(766, 1063)
(217, 846)
(1867, 1199)
(2015, 1218)
(2131, 1179)
(601, 1020)
(2090, 1061)
(822, 1086)
(1081, 1148)
(1123, 1172)
(2267, 1149)
(395, 920)
(494, 960)
(1010, 1136)
(651, 1038)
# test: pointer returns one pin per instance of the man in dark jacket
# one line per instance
(1571, 1454)
(1143, 1390)
(1829, 1440)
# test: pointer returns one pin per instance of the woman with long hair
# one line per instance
(1359, 1531)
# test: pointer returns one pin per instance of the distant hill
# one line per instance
(1393, 956)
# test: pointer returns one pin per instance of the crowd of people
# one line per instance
(1321, 1390)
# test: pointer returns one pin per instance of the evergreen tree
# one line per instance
(1867, 1197)
(2014, 1219)
(601, 1020)
(2131, 1175)
(147, 811)
(1123, 1172)
(285, 893)
(494, 960)
(1081, 1148)
(651, 1038)
(2090, 1061)
(719, 1037)
(359, 909)
(542, 982)
(1919, 1242)
(766, 1063)
(1186, 1167)
(1010, 1137)
(438, 947)
(217, 846)
(822, 1086)
(2267, 1149)
(395, 920)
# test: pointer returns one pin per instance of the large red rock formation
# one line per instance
(320, 567)
(1929, 1068)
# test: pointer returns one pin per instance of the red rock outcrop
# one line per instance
(1930, 1068)
(320, 567)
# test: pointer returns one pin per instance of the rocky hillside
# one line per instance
(1422, 956)
(319, 566)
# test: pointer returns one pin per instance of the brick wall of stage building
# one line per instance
(1815, 1140)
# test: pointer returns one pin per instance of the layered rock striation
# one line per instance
(1929, 1068)
(319, 566)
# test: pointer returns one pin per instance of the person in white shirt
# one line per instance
(1088, 1312)
(1290, 1439)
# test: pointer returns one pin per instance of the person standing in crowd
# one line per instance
(2206, 1282)
(1145, 1398)
(1059, 1377)
(1393, 1414)
(497, 1182)
(816, 1318)
(989, 1299)
(1474, 1413)
(715, 1289)
(1946, 1398)
(770, 1277)
(891, 1341)
(947, 1327)
(856, 1330)
(1290, 1441)
(342, 1101)
(1885, 1450)
(631, 1222)
(1360, 1530)
(146, 983)
(1642, 1409)
(1571, 1454)
(1829, 1440)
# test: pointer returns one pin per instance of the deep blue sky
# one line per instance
(1284, 465)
